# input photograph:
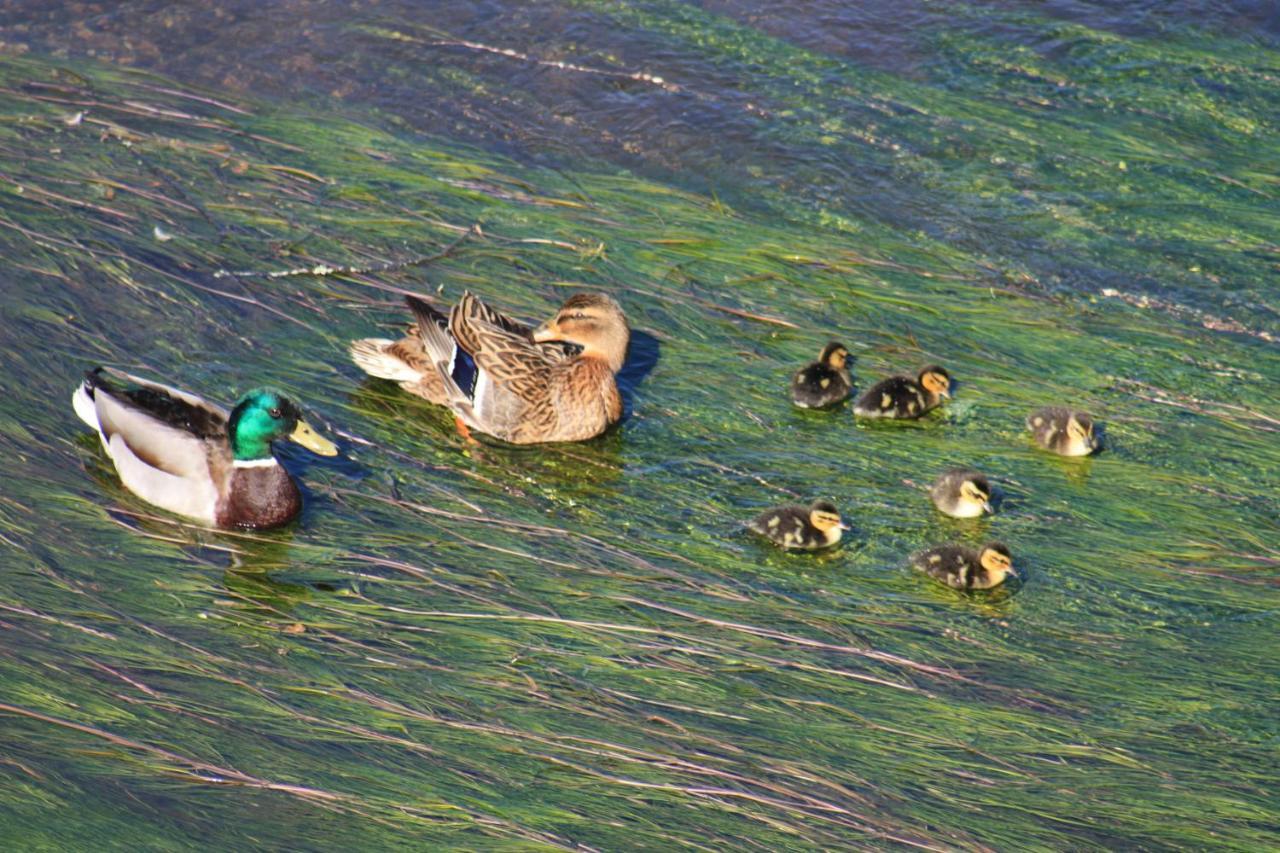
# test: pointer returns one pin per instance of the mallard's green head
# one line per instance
(263, 416)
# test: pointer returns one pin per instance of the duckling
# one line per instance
(190, 457)
(1067, 432)
(962, 493)
(825, 382)
(798, 528)
(904, 397)
(964, 568)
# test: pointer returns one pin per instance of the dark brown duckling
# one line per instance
(964, 568)
(799, 528)
(1067, 432)
(825, 382)
(904, 397)
(962, 493)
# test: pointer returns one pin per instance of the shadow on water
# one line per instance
(642, 358)
(413, 427)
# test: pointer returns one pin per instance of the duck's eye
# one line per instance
(275, 413)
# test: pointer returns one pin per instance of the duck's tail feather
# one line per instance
(372, 356)
(82, 402)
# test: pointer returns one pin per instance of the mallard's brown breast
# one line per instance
(259, 498)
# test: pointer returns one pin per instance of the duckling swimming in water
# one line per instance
(1067, 432)
(798, 528)
(904, 397)
(964, 568)
(962, 493)
(825, 382)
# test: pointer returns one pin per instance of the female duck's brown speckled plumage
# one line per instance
(825, 382)
(801, 528)
(406, 360)
(964, 568)
(904, 396)
(552, 383)
(1067, 432)
(188, 456)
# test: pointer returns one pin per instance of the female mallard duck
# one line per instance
(825, 382)
(183, 454)
(964, 568)
(904, 397)
(801, 528)
(1067, 432)
(962, 493)
(526, 386)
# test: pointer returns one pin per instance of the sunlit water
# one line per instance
(578, 646)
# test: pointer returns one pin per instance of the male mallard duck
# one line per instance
(526, 386)
(183, 454)
(962, 492)
(904, 397)
(964, 568)
(801, 528)
(825, 382)
(1067, 432)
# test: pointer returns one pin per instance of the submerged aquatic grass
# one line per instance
(579, 646)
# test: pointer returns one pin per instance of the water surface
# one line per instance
(577, 646)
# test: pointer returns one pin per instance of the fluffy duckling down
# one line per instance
(798, 528)
(962, 493)
(964, 568)
(825, 382)
(1064, 431)
(904, 396)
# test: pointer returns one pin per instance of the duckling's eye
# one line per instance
(275, 413)
(577, 315)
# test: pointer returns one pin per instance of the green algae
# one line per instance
(570, 646)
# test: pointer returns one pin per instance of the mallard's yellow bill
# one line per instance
(312, 440)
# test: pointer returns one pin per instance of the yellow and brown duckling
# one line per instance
(905, 397)
(825, 382)
(962, 493)
(1067, 432)
(798, 528)
(190, 457)
(964, 568)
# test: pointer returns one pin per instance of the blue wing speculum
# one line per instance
(463, 370)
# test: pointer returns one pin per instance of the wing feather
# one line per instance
(214, 411)
(192, 496)
(511, 358)
(158, 443)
